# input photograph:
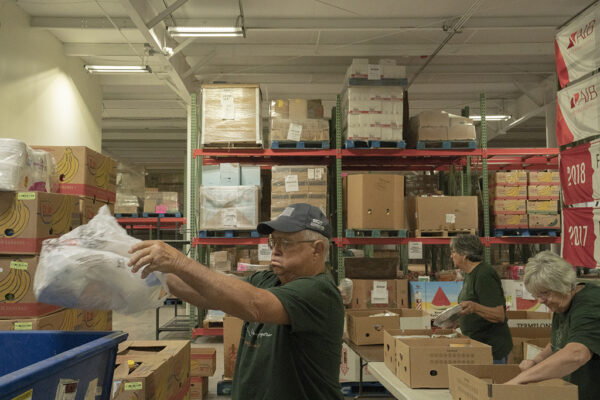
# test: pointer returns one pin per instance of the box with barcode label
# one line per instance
(298, 184)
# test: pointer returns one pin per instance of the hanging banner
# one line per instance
(576, 46)
(578, 110)
(580, 173)
(581, 236)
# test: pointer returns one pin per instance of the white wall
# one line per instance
(45, 97)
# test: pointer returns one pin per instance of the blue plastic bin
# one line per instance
(47, 362)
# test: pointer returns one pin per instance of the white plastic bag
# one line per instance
(87, 268)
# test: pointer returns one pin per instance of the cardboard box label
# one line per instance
(230, 217)
(26, 196)
(133, 385)
(291, 183)
(294, 132)
(450, 218)
(227, 105)
(23, 326)
(264, 252)
(379, 294)
(161, 209)
(19, 265)
(374, 72)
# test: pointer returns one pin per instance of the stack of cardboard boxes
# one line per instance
(230, 197)
(243, 260)
(28, 218)
(295, 120)
(442, 214)
(508, 198)
(438, 125)
(542, 200)
(373, 111)
(298, 184)
(156, 202)
(130, 189)
(203, 366)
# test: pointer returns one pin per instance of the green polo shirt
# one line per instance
(297, 361)
(483, 286)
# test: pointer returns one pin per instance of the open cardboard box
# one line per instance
(390, 336)
(423, 363)
(529, 319)
(486, 382)
(520, 336)
(365, 329)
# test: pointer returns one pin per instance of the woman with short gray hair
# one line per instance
(482, 298)
(574, 349)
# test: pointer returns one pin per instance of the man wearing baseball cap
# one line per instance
(290, 346)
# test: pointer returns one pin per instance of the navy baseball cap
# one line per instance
(298, 217)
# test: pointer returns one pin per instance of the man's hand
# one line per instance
(157, 256)
(526, 364)
(468, 307)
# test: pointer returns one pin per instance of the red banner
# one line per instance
(578, 111)
(580, 244)
(580, 173)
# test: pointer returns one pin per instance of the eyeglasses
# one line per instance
(544, 295)
(284, 244)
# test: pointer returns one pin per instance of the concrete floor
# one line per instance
(142, 327)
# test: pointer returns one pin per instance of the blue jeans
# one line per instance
(500, 361)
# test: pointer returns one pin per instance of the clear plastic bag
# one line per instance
(87, 268)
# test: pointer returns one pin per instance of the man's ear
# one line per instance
(319, 247)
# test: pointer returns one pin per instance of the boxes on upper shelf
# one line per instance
(544, 178)
(542, 207)
(438, 125)
(296, 109)
(543, 192)
(509, 178)
(508, 192)
(544, 221)
(299, 129)
(160, 202)
(229, 207)
(298, 184)
(27, 218)
(386, 69)
(509, 206)
(231, 114)
(84, 172)
(374, 201)
(230, 174)
(367, 326)
(511, 221)
(442, 213)
(419, 185)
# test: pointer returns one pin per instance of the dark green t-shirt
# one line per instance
(581, 324)
(296, 361)
(483, 286)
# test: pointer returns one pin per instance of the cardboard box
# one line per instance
(298, 184)
(229, 207)
(350, 367)
(371, 268)
(508, 192)
(231, 114)
(533, 347)
(364, 328)
(518, 298)
(543, 192)
(529, 319)
(16, 288)
(542, 207)
(203, 361)
(220, 261)
(232, 331)
(423, 363)
(438, 125)
(509, 178)
(198, 388)
(524, 335)
(544, 178)
(84, 172)
(295, 108)
(367, 293)
(174, 354)
(445, 213)
(374, 201)
(27, 218)
(509, 206)
(88, 208)
(391, 336)
(161, 202)
(63, 320)
(418, 185)
(544, 221)
(434, 297)
(146, 379)
(486, 382)
(310, 129)
(230, 174)
(511, 221)
(461, 128)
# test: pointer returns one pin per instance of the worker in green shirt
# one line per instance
(483, 316)
(291, 342)
(574, 349)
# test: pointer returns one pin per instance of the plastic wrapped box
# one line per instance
(229, 207)
(161, 202)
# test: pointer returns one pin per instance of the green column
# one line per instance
(485, 192)
(341, 273)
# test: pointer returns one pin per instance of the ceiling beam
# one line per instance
(316, 24)
(142, 135)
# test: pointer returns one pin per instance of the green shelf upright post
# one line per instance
(484, 171)
(341, 273)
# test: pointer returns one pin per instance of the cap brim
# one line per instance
(279, 224)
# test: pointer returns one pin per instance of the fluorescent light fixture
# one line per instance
(117, 69)
(491, 117)
(206, 31)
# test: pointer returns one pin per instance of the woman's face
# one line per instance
(557, 302)
(457, 259)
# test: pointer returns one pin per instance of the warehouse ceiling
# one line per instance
(301, 49)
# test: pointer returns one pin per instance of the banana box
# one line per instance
(70, 319)
(16, 288)
(97, 320)
(84, 172)
(27, 218)
(89, 207)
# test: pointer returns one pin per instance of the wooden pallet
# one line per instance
(307, 144)
(161, 215)
(375, 233)
(446, 144)
(228, 234)
(500, 232)
(443, 233)
(233, 145)
(212, 324)
(375, 144)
